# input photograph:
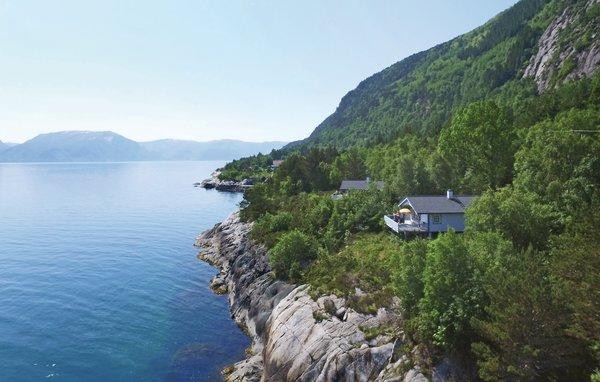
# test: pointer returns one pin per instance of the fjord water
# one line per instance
(98, 276)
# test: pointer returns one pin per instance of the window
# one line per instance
(437, 218)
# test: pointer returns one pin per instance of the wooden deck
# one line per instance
(404, 227)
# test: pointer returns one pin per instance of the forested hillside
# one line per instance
(509, 112)
(545, 41)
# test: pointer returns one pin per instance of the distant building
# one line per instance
(349, 185)
(276, 163)
(429, 214)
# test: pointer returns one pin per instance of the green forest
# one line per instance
(421, 93)
(517, 295)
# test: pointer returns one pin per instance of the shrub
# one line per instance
(363, 264)
(407, 274)
(269, 227)
(292, 254)
(451, 297)
(258, 200)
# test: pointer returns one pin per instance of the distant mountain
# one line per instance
(225, 149)
(76, 146)
(5, 146)
(106, 146)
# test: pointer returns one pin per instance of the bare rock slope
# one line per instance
(560, 59)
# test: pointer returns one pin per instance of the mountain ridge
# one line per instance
(107, 146)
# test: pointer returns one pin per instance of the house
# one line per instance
(348, 185)
(429, 214)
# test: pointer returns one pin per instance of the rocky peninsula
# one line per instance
(224, 185)
(298, 337)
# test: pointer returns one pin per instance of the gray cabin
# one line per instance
(349, 185)
(429, 214)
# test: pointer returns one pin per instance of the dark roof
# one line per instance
(439, 204)
(359, 185)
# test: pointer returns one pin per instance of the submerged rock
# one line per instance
(194, 353)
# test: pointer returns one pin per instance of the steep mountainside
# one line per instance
(80, 146)
(226, 149)
(549, 41)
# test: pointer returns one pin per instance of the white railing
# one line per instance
(405, 226)
(394, 225)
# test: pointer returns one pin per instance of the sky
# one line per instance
(203, 70)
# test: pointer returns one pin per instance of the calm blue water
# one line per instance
(98, 277)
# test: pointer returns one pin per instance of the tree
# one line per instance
(559, 164)
(407, 274)
(519, 215)
(319, 167)
(292, 175)
(335, 234)
(349, 165)
(405, 165)
(451, 297)
(363, 210)
(479, 145)
(292, 254)
(258, 200)
(575, 276)
(523, 336)
(268, 228)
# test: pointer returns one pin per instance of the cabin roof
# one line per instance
(359, 185)
(438, 204)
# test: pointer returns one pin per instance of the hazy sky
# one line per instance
(252, 70)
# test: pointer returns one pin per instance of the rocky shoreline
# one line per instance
(224, 185)
(295, 337)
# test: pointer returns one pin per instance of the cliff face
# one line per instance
(295, 337)
(569, 48)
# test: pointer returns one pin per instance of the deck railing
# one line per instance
(405, 226)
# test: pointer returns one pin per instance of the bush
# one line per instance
(267, 229)
(292, 254)
(451, 296)
(407, 274)
(258, 200)
(363, 264)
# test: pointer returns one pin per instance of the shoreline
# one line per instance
(224, 185)
(295, 337)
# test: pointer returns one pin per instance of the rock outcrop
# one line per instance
(560, 59)
(295, 337)
(224, 185)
